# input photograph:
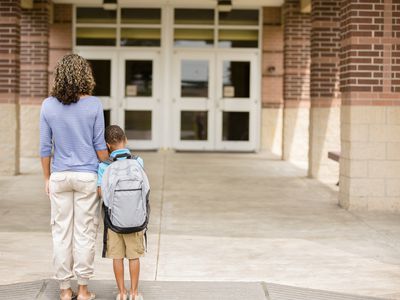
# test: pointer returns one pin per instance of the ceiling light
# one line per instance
(224, 5)
(110, 4)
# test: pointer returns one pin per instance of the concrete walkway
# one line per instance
(224, 218)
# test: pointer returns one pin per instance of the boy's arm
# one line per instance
(100, 172)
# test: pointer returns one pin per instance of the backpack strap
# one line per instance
(105, 234)
(108, 161)
(122, 155)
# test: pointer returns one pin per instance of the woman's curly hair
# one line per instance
(72, 78)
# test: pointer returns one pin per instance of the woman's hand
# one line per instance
(46, 187)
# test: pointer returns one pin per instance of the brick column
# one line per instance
(324, 89)
(296, 82)
(60, 36)
(370, 121)
(272, 81)
(34, 74)
(10, 15)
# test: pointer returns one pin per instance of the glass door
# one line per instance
(139, 91)
(104, 68)
(237, 105)
(193, 101)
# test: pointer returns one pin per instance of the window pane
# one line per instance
(138, 125)
(194, 78)
(238, 38)
(138, 78)
(235, 126)
(236, 79)
(198, 38)
(95, 36)
(140, 37)
(140, 16)
(239, 17)
(95, 15)
(102, 76)
(194, 16)
(194, 125)
(107, 118)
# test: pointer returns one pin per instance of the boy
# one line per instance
(128, 245)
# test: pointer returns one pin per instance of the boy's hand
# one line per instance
(46, 187)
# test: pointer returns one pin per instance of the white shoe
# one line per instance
(138, 297)
(124, 297)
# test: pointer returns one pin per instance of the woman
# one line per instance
(72, 124)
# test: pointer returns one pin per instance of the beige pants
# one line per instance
(74, 220)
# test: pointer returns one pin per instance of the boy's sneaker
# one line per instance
(137, 297)
(122, 297)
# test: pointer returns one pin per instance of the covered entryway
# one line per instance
(173, 77)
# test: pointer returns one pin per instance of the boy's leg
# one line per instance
(134, 270)
(118, 266)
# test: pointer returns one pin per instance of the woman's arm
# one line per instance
(102, 155)
(46, 172)
(98, 135)
(46, 144)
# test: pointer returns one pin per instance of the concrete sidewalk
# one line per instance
(224, 218)
(179, 290)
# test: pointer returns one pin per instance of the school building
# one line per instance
(297, 78)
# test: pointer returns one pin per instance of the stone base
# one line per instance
(30, 115)
(295, 134)
(370, 158)
(271, 130)
(9, 160)
(324, 137)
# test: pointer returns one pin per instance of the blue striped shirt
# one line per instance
(74, 132)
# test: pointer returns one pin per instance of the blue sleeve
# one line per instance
(100, 173)
(98, 130)
(46, 135)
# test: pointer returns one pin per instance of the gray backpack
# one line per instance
(125, 190)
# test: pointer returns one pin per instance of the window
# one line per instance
(138, 27)
(199, 28)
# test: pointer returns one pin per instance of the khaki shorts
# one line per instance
(129, 245)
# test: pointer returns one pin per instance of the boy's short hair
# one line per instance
(114, 134)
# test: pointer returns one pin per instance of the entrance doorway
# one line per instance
(215, 101)
(128, 83)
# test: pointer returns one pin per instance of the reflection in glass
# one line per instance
(236, 79)
(194, 78)
(95, 15)
(138, 125)
(107, 117)
(141, 16)
(146, 37)
(238, 38)
(239, 17)
(95, 36)
(197, 38)
(138, 78)
(194, 125)
(235, 126)
(101, 69)
(194, 16)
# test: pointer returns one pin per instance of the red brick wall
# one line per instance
(325, 47)
(10, 14)
(34, 53)
(370, 52)
(297, 27)
(272, 80)
(60, 40)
